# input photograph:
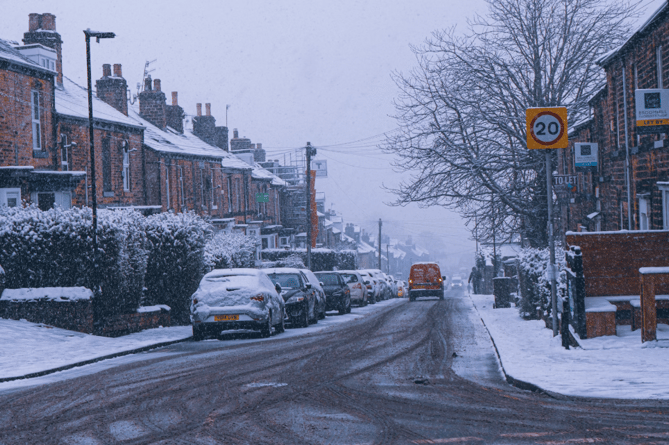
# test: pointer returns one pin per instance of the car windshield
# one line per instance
(329, 279)
(231, 281)
(287, 281)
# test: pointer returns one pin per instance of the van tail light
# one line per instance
(259, 297)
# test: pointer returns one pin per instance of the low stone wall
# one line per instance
(71, 315)
(128, 323)
(80, 315)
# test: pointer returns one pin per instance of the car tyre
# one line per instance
(198, 332)
(321, 315)
(266, 331)
(304, 319)
(281, 327)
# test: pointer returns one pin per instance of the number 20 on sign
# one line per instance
(546, 127)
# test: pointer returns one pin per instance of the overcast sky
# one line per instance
(292, 72)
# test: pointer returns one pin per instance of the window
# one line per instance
(64, 153)
(46, 201)
(10, 197)
(125, 172)
(238, 204)
(644, 211)
(229, 194)
(211, 187)
(37, 133)
(659, 67)
(106, 168)
(181, 187)
(202, 203)
(167, 184)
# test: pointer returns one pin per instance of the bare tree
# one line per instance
(461, 111)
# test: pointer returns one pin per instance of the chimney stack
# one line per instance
(208, 109)
(198, 107)
(152, 105)
(37, 23)
(235, 134)
(113, 90)
(175, 114)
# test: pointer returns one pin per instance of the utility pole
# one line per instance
(380, 243)
(311, 151)
(388, 256)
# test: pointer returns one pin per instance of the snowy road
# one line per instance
(394, 376)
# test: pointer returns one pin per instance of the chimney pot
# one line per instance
(208, 109)
(33, 22)
(175, 102)
(106, 70)
(199, 109)
(117, 70)
(156, 84)
(147, 83)
(235, 133)
(48, 22)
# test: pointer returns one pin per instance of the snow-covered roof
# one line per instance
(186, 144)
(578, 125)
(606, 58)
(72, 100)
(11, 54)
(363, 247)
(261, 173)
(419, 251)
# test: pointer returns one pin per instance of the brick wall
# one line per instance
(611, 261)
(16, 139)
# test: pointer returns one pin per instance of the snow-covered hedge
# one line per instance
(176, 260)
(535, 287)
(321, 259)
(230, 250)
(55, 249)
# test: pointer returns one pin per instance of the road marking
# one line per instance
(527, 434)
(451, 440)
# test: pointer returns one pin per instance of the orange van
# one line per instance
(425, 280)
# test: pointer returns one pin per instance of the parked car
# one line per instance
(320, 293)
(456, 282)
(236, 299)
(298, 293)
(373, 288)
(425, 280)
(401, 286)
(384, 291)
(355, 284)
(337, 294)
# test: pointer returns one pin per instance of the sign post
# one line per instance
(547, 129)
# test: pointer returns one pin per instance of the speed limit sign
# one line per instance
(546, 127)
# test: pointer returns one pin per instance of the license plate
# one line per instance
(226, 317)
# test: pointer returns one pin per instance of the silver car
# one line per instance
(230, 299)
(356, 284)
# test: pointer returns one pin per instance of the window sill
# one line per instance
(107, 194)
(39, 153)
(214, 207)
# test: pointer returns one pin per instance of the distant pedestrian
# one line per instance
(475, 279)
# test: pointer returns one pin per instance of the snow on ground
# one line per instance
(30, 347)
(607, 367)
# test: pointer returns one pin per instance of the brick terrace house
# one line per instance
(146, 156)
(44, 130)
(600, 202)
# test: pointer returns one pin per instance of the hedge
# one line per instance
(321, 259)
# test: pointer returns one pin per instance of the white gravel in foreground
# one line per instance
(607, 367)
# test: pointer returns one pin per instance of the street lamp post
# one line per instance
(98, 35)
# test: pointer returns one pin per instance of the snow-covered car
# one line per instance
(236, 299)
(337, 294)
(354, 280)
(320, 293)
(456, 282)
(385, 292)
(401, 288)
(298, 294)
(373, 287)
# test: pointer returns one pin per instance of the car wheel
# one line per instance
(198, 332)
(281, 327)
(364, 302)
(266, 331)
(304, 319)
(321, 315)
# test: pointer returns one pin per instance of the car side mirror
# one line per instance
(308, 286)
(321, 283)
(366, 282)
(443, 278)
(277, 286)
